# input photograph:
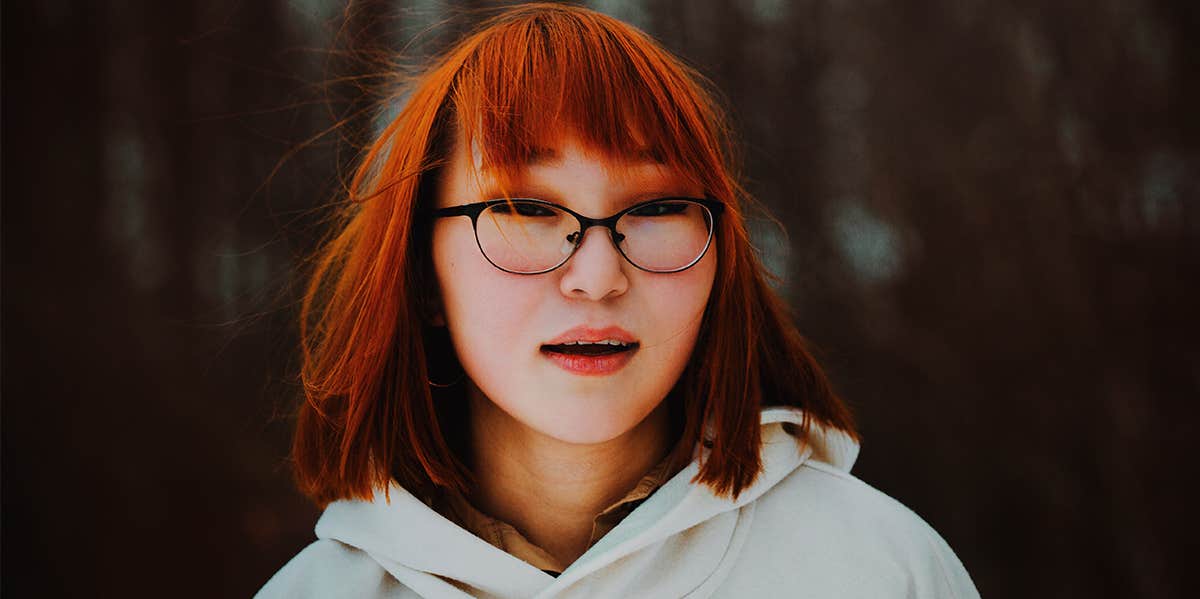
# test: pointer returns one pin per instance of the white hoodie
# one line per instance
(805, 528)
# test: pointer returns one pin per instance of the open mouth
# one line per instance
(602, 348)
(591, 358)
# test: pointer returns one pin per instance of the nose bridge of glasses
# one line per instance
(585, 223)
(578, 237)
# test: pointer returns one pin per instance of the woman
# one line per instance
(541, 358)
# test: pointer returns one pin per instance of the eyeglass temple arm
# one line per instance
(471, 210)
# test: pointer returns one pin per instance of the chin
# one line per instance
(575, 416)
(586, 425)
(584, 435)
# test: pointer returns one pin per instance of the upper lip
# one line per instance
(587, 334)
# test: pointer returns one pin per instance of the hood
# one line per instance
(424, 551)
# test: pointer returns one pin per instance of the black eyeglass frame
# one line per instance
(714, 208)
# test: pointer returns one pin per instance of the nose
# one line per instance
(596, 271)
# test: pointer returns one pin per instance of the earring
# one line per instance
(439, 353)
(436, 385)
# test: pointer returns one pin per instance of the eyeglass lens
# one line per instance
(531, 237)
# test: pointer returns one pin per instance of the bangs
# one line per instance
(535, 75)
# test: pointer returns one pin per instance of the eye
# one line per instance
(661, 208)
(523, 209)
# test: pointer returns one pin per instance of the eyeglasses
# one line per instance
(528, 237)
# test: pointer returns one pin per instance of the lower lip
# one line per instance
(591, 365)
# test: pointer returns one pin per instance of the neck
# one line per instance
(552, 490)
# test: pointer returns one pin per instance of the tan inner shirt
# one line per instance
(457, 509)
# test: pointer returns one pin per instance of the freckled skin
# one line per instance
(498, 321)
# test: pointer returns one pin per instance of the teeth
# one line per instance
(604, 342)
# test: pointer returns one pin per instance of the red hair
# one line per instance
(370, 414)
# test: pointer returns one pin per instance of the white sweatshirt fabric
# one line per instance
(805, 528)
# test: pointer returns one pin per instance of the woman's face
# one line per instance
(501, 323)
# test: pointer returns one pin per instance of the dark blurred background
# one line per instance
(992, 216)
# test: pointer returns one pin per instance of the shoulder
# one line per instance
(842, 499)
(844, 531)
(328, 568)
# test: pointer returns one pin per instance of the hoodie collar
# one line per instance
(404, 534)
(679, 505)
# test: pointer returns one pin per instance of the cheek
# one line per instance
(486, 310)
(675, 306)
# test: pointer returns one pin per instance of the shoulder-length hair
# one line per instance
(370, 414)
